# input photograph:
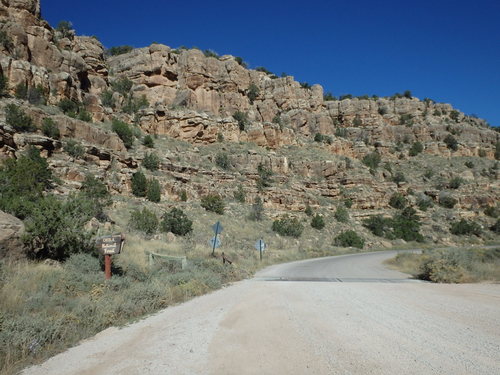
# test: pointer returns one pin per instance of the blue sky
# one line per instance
(448, 51)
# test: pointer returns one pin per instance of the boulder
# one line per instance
(11, 229)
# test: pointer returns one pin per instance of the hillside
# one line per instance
(199, 107)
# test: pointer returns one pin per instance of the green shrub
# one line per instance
(349, 238)
(153, 193)
(69, 107)
(240, 195)
(253, 93)
(213, 203)
(107, 98)
(465, 227)
(317, 222)
(455, 182)
(407, 94)
(124, 132)
(305, 85)
(93, 188)
(183, 196)
(74, 148)
(23, 181)
(318, 137)
(341, 214)
(133, 105)
(378, 225)
(454, 115)
(345, 96)
(447, 201)
(36, 95)
(469, 164)
(257, 210)
(416, 148)
(18, 119)
(151, 161)
(211, 53)
(287, 226)
(119, 50)
(5, 40)
(21, 91)
(122, 85)
(84, 115)
(406, 119)
(372, 160)
(348, 202)
(341, 132)
(329, 97)
(451, 142)
(65, 28)
(177, 222)
(492, 211)
(406, 225)
(265, 177)
(148, 141)
(357, 121)
(50, 129)
(242, 119)
(398, 201)
(139, 184)
(495, 228)
(240, 61)
(222, 160)
(4, 84)
(398, 178)
(497, 151)
(144, 221)
(424, 202)
(308, 211)
(54, 229)
(383, 110)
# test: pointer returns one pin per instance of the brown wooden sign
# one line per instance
(110, 245)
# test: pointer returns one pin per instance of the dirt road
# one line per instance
(343, 315)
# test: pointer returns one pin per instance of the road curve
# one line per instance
(380, 324)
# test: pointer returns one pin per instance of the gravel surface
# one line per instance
(378, 324)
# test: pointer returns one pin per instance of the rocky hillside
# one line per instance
(214, 122)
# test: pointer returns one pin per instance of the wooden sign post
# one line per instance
(110, 245)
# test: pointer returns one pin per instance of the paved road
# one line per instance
(379, 324)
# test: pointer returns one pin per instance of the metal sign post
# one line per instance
(215, 242)
(110, 245)
(260, 245)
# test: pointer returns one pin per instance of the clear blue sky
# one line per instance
(448, 51)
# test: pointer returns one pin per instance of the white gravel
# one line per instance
(290, 327)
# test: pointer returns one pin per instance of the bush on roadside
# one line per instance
(317, 222)
(213, 203)
(177, 222)
(144, 221)
(465, 227)
(287, 226)
(349, 238)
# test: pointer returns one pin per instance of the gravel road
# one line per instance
(341, 315)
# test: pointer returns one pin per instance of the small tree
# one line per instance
(177, 222)
(317, 222)
(424, 202)
(74, 148)
(264, 180)
(398, 178)
(455, 182)
(50, 129)
(308, 211)
(153, 190)
(151, 161)
(222, 160)
(144, 221)
(124, 132)
(257, 210)
(139, 184)
(69, 107)
(4, 84)
(122, 85)
(240, 195)
(451, 142)
(242, 119)
(253, 93)
(148, 141)
(341, 214)
(349, 239)
(416, 148)
(119, 50)
(287, 226)
(398, 201)
(372, 160)
(213, 203)
(18, 119)
(447, 201)
(65, 28)
(465, 227)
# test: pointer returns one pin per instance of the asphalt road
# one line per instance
(353, 316)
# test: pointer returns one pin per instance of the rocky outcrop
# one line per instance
(11, 230)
